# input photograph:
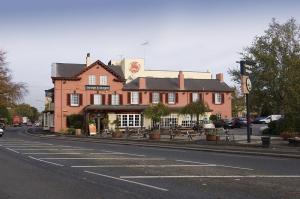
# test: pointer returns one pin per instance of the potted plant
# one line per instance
(155, 112)
(75, 121)
(92, 127)
(117, 133)
(213, 135)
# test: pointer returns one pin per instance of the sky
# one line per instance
(193, 35)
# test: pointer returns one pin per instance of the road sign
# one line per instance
(245, 67)
(246, 84)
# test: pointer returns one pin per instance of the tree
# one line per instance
(25, 110)
(10, 92)
(276, 75)
(197, 108)
(238, 103)
(155, 112)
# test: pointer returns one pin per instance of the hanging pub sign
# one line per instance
(97, 87)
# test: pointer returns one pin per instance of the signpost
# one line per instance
(245, 69)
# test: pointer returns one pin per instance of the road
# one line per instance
(34, 167)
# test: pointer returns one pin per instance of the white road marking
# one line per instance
(52, 153)
(53, 163)
(36, 146)
(118, 153)
(77, 149)
(209, 176)
(142, 166)
(25, 145)
(43, 149)
(129, 181)
(217, 165)
(102, 158)
(12, 150)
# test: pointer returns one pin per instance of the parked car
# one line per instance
(270, 118)
(2, 126)
(257, 120)
(1, 132)
(223, 123)
(36, 124)
(237, 122)
(29, 124)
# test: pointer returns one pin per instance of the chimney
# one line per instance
(142, 83)
(181, 80)
(88, 59)
(219, 77)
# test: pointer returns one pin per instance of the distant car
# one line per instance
(223, 123)
(29, 124)
(270, 118)
(36, 124)
(1, 132)
(238, 122)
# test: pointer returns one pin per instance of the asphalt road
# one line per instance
(33, 167)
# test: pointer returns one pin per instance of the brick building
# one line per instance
(123, 89)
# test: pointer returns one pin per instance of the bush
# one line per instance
(75, 121)
(71, 131)
(213, 117)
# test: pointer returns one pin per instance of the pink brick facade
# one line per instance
(63, 87)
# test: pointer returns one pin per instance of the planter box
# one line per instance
(117, 134)
(212, 137)
(155, 135)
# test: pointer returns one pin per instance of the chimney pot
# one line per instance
(220, 77)
(142, 83)
(88, 59)
(181, 80)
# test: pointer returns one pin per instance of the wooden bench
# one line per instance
(182, 132)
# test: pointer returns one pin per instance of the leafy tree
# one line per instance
(155, 112)
(25, 110)
(5, 114)
(276, 75)
(10, 92)
(238, 103)
(197, 108)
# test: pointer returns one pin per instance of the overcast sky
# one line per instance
(182, 35)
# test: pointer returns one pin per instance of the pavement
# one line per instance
(238, 145)
(34, 167)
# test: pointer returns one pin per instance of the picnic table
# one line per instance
(182, 131)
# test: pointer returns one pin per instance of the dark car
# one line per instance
(2, 126)
(238, 122)
(223, 123)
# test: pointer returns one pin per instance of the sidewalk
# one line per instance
(278, 148)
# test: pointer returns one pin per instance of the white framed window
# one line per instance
(103, 80)
(134, 97)
(97, 99)
(218, 98)
(168, 121)
(195, 97)
(115, 99)
(155, 97)
(92, 80)
(74, 99)
(171, 98)
(187, 121)
(129, 120)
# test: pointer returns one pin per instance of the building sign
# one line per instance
(134, 67)
(97, 87)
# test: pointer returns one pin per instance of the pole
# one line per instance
(248, 119)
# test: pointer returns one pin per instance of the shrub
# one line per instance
(75, 121)
(213, 117)
(71, 131)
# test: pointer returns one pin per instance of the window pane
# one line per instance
(103, 80)
(155, 97)
(137, 120)
(134, 97)
(74, 100)
(218, 98)
(130, 120)
(195, 97)
(97, 99)
(92, 80)
(115, 99)
(171, 98)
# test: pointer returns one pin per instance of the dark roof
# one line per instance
(50, 90)
(70, 71)
(67, 69)
(172, 84)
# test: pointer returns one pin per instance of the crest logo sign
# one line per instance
(134, 67)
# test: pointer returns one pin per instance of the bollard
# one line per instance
(266, 140)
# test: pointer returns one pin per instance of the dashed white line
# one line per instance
(211, 176)
(118, 153)
(12, 150)
(141, 166)
(52, 153)
(43, 149)
(53, 163)
(62, 158)
(217, 165)
(129, 181)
